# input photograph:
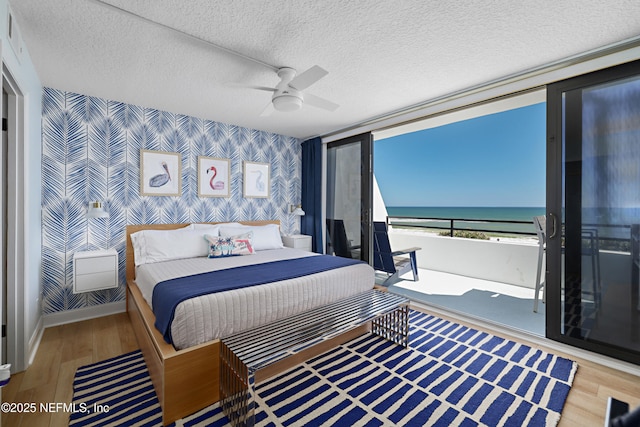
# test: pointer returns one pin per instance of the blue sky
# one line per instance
(494, 160)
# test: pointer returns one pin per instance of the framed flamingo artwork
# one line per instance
(256, 180)
(160, 173)
(213, 177)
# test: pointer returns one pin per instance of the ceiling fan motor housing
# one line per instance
(286, 98)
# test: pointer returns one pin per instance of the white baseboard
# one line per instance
(34, 342)
(71, 316)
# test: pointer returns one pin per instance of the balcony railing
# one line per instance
(614, 237)
(493, 226)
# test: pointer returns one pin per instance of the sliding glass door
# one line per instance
(349, 197)
(594, 211)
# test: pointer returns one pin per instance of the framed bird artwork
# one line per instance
(160, 173)
(256, 180)
(214, 177)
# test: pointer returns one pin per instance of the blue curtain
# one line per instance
(311, 222)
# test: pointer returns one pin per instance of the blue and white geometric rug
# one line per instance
(450, 375)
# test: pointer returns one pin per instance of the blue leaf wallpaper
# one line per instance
(91, 151)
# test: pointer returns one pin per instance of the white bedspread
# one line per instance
(217, 315)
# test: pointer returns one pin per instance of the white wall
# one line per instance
(379, 208)
(505, 262)
(23, 71)
(508, 262)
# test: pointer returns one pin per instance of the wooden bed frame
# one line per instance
(188, 380)
(185, 380)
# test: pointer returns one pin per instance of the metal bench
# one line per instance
(243, 354)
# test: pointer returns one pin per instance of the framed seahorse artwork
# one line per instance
(255, 180)
(160, 173)
(214, 177)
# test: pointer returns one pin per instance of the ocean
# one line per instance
(445, 213)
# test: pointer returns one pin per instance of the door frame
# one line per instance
(555, 193)
(366, 189)
(16, 229)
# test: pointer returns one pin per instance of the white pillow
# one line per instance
(163, 245)
(202, 226)
(264, 236)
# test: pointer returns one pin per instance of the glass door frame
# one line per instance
(366, 190)
(556, 127)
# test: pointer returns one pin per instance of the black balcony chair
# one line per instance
(338, 240)
(394, 263)
(589, 247)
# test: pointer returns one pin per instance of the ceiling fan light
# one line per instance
(287, 103)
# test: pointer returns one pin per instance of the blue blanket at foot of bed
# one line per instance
(168, 294)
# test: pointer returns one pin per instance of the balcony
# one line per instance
(492, 301)
(493, 279)
(488, 279)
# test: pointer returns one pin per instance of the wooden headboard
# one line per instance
(129, 262)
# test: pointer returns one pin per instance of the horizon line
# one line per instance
(433, 206)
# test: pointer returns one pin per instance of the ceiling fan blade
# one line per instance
(242, 86)
(307, 78)
(318, 102)
(267, 89)
(268, 110)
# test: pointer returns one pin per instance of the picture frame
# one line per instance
(214, 177)
(160, 173)
(256, 180)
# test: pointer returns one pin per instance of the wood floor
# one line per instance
(64, 348)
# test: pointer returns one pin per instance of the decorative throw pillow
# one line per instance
(230, 246)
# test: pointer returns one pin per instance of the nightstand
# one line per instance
(297, 241)
(95, 270)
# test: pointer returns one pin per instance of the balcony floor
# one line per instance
(495, 302)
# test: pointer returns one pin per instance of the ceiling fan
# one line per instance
(288, 94)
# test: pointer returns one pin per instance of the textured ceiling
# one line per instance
(381, 55)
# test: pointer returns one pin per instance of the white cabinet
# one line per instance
(95, 270)
(297, 241)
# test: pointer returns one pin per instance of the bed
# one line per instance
(185, 374)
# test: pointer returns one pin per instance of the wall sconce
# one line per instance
(296, 210)
(96, 210)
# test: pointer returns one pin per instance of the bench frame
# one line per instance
(246, 354)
